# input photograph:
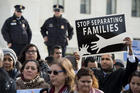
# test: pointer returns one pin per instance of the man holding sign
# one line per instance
(111, 80)
(101, 35)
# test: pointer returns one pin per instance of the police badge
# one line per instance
(62, 26)
(23, 25)
(13, 20)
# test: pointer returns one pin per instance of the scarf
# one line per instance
(64, 89)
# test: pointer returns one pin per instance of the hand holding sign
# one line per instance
(128, 42)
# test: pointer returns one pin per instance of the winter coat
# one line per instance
(44, 68)
(7, 84)
(14, 73)
(34, 84)
(116, 79)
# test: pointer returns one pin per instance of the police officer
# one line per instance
(16, 30)
(57, 30)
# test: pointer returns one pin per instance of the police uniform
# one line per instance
(57, 29)
(17, 31)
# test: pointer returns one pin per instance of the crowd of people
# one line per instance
(58, 74)
(21, 66)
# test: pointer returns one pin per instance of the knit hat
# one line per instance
(1, 55)
(11, 53)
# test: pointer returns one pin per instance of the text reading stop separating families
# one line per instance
(100, 25)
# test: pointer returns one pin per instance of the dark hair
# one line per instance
(23, 52)
(87, 72)
(55, 47)
(44, 90)
(37, 64)
(135, 73)
(119, 64)
(89, 59)
(113, 56)
(49, 59)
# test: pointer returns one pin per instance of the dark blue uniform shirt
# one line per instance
(57, 30)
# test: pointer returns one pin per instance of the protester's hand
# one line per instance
(46, 39)
(83, 49)
(9, 44)
(102, 42)
(128, 42)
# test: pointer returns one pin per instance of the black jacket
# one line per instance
(57, 30)
(44, 68)
(16, 30)
(113, 82)
(7, 85)
(14, 73)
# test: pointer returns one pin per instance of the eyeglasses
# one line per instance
(56, 10)
(55, 72)
(31, 51)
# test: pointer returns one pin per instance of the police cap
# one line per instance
(19, 8)
(57, 7)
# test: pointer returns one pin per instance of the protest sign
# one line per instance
(29, 91)
(101, 34)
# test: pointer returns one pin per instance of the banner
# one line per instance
(29, 91)
(101, 34)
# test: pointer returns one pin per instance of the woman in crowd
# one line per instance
(86, 82)
(9, 62)
(134, 83)
(61, 76)
(31, 52)
(30, 76)
(7, 85)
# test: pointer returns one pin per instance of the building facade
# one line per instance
(37, 11)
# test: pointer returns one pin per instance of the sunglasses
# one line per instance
(57, 10)
(55, 72)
